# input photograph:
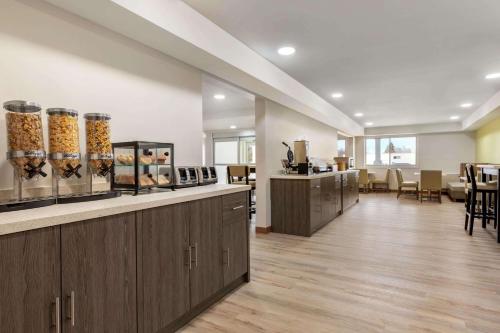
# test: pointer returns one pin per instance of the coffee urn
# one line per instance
(301, 154)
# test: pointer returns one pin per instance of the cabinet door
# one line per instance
(315, 205)
(338, 195)
(205, 236)
(235, 236)
(163, 266)
(345, 192)
(328, 200)
(99, 275)
(355, 186)
(29, 281)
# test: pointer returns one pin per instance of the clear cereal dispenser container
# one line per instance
(25, 147)
(64, 142)
(99, 148)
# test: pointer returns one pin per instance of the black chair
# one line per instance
(473, 189)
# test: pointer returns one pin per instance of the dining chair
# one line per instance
(475, 191)
(431, 182)
(405, 186)
(364, 182)
(381, 183)
(240, 175)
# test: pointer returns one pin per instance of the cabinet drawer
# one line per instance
(234, 207)
(315, 184)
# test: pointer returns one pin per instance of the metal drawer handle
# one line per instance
(71, 312)
(227, 258)
(195, 255)
(317, 186)
(238, 207)
(190, 257)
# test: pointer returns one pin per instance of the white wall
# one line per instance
(436, 151)
(178, 30)
(61, 60)
(275, 123)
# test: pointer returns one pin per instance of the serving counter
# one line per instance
(145, 263)
(303, 204)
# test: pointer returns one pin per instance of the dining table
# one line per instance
(493, 170)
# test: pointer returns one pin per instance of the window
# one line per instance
(341, 148)
(236, 150)
(247, 150)
(395, 151)
(226, 151)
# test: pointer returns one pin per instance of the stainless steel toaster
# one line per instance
(186, 177)
(206, 175)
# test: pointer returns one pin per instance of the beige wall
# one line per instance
(488, 142)
(60, 60)
(441, 151)
(275, 123)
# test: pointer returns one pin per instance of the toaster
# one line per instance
(185, 177)
(206, 175)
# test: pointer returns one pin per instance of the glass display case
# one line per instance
(141, 165)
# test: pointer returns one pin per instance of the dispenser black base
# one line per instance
(88, 197)
(11, 206)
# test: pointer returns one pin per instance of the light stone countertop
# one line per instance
(29, 219)
(313, 176)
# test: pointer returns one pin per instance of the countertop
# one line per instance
(313, 176)
(30, 219)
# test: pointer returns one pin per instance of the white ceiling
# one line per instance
(238, 107)
(398, 62)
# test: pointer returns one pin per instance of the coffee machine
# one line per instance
(301, 153)
(297, 162)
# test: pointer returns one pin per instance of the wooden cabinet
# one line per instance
(315, 205)
(98, 260)
(290, 210)
(303, 206)
(182, 266)
(328, 199)
(338, 195)
(146, 271)
(350, 185)
(163, 246)
(235, 236)
(205, 235)
(30, 281)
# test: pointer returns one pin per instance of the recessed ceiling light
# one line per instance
(465, 105)
(219, 96)
(232, 127)
(369, 123)
(359, 115)
(337, 95)
(286, 50)
(454, 117)
(493, 76)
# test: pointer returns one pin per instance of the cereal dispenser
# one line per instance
(99, 147)
(25, 147)
(64, 144)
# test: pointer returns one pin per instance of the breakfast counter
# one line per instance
(107, 266)
(29, 219)
(313, 176)
(303, 204)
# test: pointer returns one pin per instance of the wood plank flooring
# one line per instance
(383, 266)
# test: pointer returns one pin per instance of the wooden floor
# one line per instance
(384, 266)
